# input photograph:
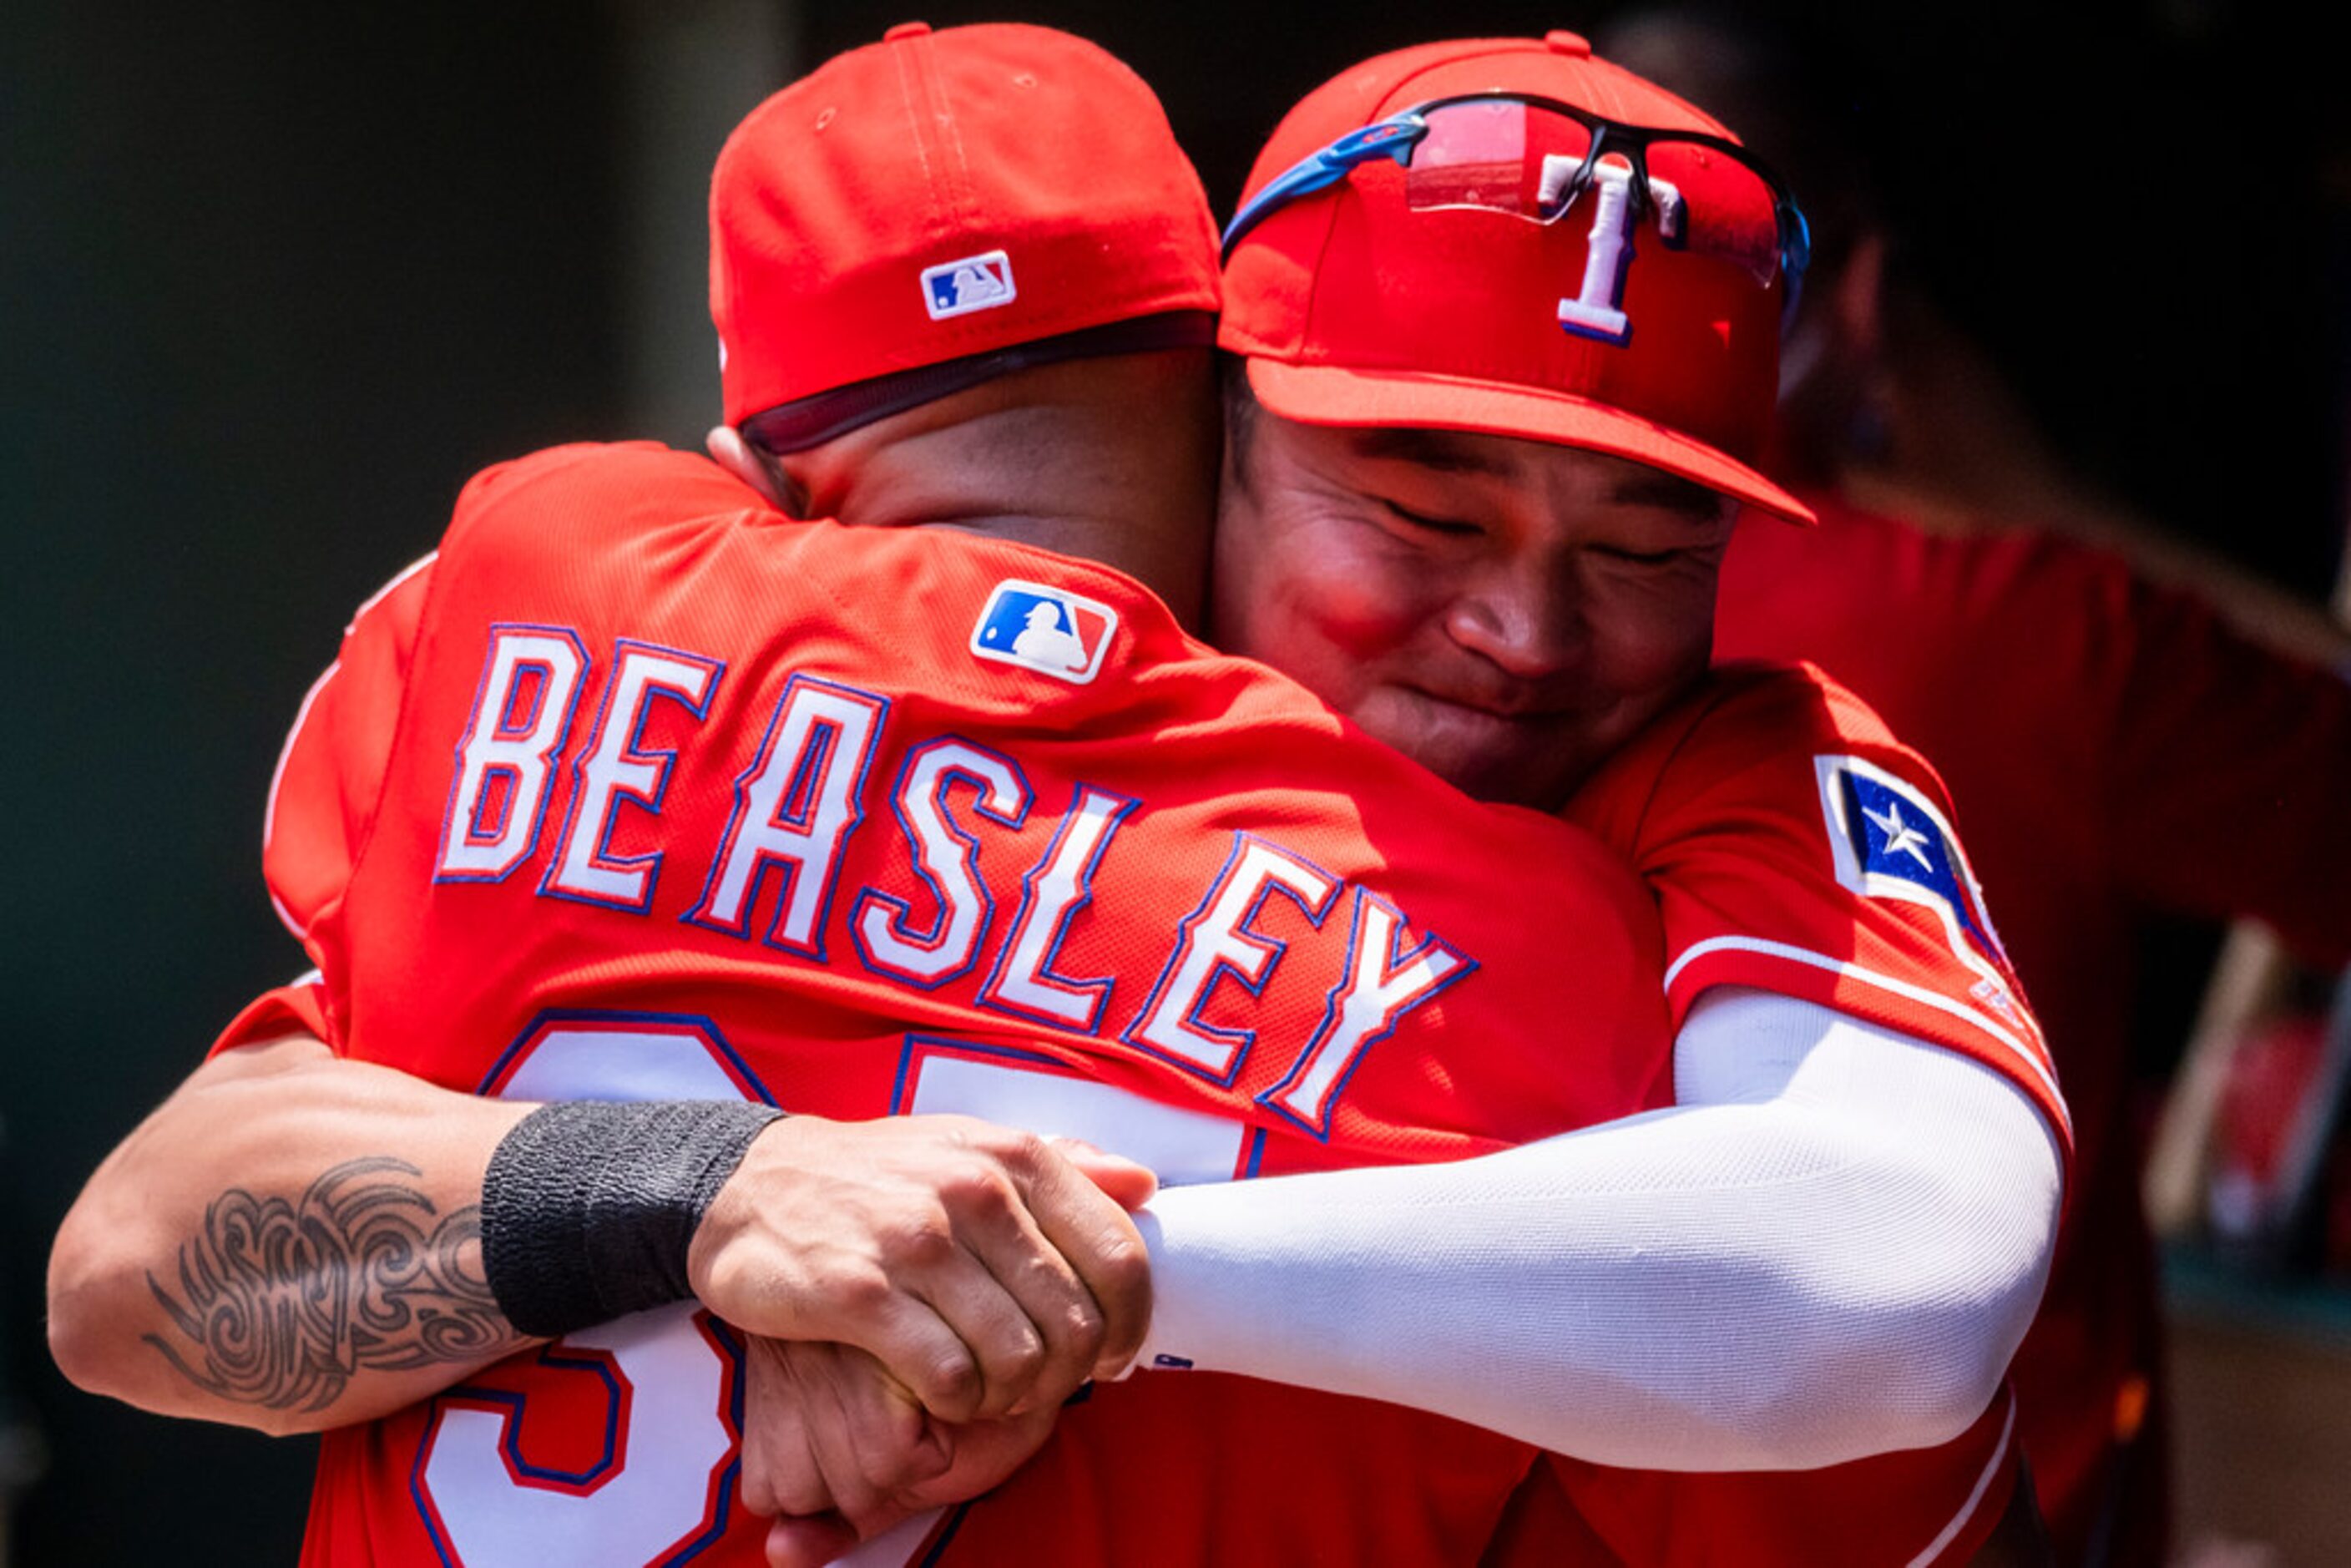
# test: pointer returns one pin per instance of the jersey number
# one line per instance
(638, 1466)
(638, 1459)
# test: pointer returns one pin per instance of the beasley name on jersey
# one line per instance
(651, 746)
(1796, 846)
(639, 790)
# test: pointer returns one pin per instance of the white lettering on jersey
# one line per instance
(1597, 310)
(1183, 1146)
(1381, 984)
(1061, 884)
(529, 684)
(663, 1385)
(801, 797)
(800, 800)
(946, 859)
(590, 1053)
(665, 1376)
(1218, 941)
(616, 770)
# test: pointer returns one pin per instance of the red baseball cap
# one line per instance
(1364, 304)
(938, 198)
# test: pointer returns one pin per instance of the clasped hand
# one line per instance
(923, 1293)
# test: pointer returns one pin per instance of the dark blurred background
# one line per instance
(276, 279)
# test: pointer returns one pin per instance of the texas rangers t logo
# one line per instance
(974, 283)
(1045, 629)
(1597, 309)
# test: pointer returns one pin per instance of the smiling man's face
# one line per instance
(1505, 612)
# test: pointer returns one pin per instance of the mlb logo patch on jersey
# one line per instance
(1045, 629)
(1891, 842)
(975, 283)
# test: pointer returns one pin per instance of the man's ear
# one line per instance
(731, 451)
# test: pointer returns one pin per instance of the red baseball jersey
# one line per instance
(1794, 846)
(640, 789)
(2113, 748)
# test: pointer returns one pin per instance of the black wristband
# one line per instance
(588, 1206)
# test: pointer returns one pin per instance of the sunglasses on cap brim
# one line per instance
(1531, 157)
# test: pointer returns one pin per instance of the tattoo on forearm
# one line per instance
(280, 1303)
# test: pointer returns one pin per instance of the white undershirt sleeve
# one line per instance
(1830, 1248)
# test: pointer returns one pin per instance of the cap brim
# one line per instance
(1336, 394)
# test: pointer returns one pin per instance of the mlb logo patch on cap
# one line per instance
(975, 283)
(1045, 629)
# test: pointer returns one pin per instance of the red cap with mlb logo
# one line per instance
(1414, 290)
(960, 203)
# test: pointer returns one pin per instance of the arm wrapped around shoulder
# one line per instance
(1829, 1249)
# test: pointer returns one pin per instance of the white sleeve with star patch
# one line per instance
(1796, 846)
(1829, 1249)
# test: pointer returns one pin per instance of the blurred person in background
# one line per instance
(2116, 742)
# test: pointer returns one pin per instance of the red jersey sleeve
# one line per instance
(299, 1006)
(1795, 846)
(323, 794)
(1927, 1508)
(329, 777)
(322, 799)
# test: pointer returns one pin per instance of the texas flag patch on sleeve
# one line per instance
(1046, 630)
(1891, 842)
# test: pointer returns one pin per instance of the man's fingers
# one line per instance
(977, 1300)
(1101, 1243)
(888, 1437)
(780, 1471)
(870, 1436)
(1057, 1304)
(808, 1542)
(850, 1491)
(945, 1362)
(984, 1270)
(1123, 1181)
